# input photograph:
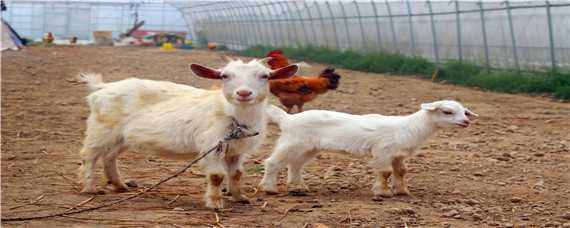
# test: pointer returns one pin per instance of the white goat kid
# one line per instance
(389, 140)
(144, 115)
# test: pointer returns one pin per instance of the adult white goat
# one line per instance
(389, 140)
(178, 121)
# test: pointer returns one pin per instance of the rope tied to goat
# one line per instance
(236, 131)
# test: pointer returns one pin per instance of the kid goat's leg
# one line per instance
(295, 181)
(399, 168)
(89, 157)
(112, 171)
(280, 157)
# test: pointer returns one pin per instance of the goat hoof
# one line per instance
(117, 188)
(92, 191)
(271, 192)
(384, 194)
(378, 198)
(217, 204)
(402, 192)
(241, 199)
(131, 183)
(297, 192)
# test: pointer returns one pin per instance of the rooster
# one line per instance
(297, 90)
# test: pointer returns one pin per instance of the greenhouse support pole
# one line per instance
(305, 36)
(362, 32)
(241, 41)
(458, 22)
(333, 21)
(292, 19)
(286, 21)
(349, 45)
(550, 35)
(377, 20)
(394, 40)
(248, 30)
(411, 24)
(513, 40)
(433, 32)
(231, 33)
(269, 24)
(236, 29)
(258, 37)
(282, 37)
(264, 27)
(313, 28)
(323, 27)
(484, 34)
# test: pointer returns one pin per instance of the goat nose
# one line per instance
(244, 93)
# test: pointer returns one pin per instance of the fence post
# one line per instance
(394, 40)
(362, 33)
(459, 41)
(412, 36)
(286, 20)
(377, 20)
(333, 21)
(345, 25)
(512, 30)
(313, 29)
(433, 32)
(484, 34)
(323, 27)
(550, 35)
(305, 36)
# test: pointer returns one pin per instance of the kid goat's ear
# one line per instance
(470, 113)
(205, 72)
(284, 72)
(429, 106)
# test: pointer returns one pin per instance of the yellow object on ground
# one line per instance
(167, 45)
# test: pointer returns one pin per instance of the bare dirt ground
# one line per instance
(510, 168)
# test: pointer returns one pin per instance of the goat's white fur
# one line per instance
(388, 140)
(175, 120)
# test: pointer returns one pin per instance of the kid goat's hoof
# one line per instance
(91, 191)
(402, 192)
(241, 199)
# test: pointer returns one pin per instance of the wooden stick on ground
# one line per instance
(37, 200)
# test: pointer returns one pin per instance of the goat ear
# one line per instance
(429, 106)
(284, 72)
(227, 58)
(205, 72)
(470, 113)
(265, 60)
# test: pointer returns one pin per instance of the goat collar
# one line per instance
(239, 131)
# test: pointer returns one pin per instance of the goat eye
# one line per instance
(447, 112)
(265, 76)
(224, 76)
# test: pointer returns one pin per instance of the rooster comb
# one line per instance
(274, 52)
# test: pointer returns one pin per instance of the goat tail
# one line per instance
(276, 115)
(94, 81)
